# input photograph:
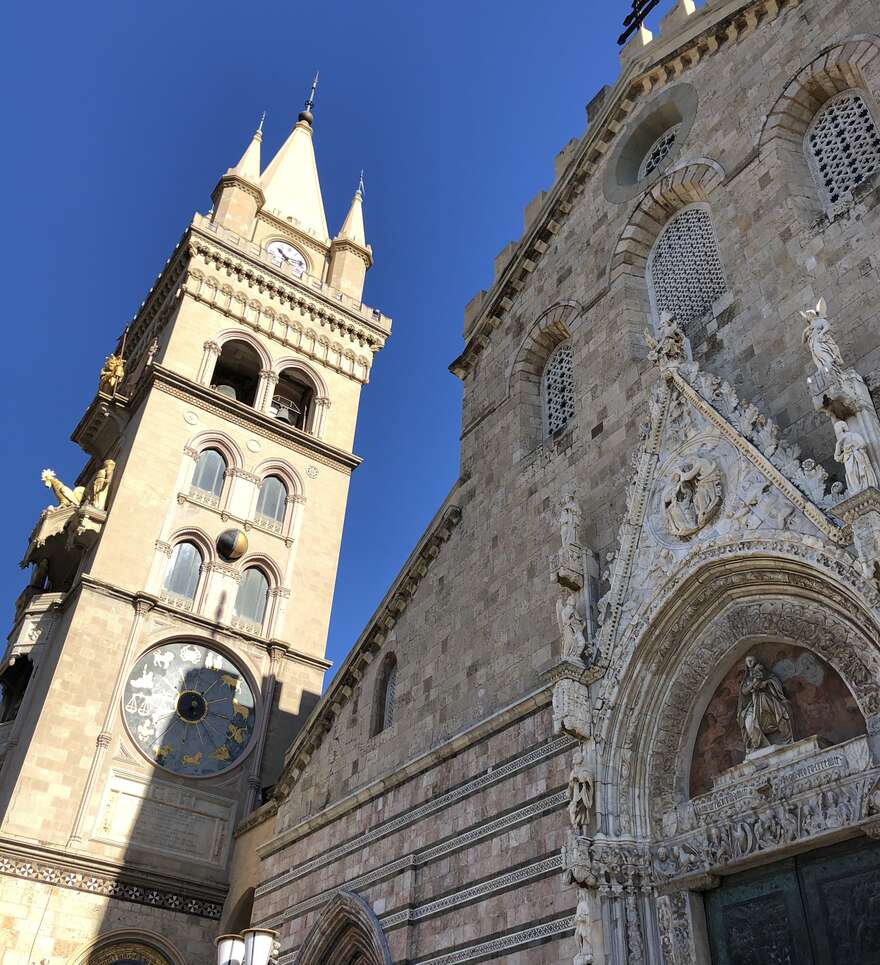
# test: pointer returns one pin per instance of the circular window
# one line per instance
(658, 151)
(189, 709)
(651, 143)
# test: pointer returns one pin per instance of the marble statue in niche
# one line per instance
(852, 451)
(692, 496)
(572, 626)
(763, 710)
(818, 338)
(580, 792)
(570, 521)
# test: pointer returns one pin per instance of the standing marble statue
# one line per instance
(852, 451)
(670, 348)
(572, 626)
(818, 338)
(762, 710)
(580, 792)
(582, 929)
(570, 521)
(95, 493)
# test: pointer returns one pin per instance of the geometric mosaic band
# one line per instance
(61, 877)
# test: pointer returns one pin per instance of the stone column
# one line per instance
(322, 407)
(265, 390)
(209, 360)
(681, 917)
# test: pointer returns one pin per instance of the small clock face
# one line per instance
(189, 709)
(282, 253)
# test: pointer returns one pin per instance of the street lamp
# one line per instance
(252, 947)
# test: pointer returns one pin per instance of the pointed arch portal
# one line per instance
(347, 933)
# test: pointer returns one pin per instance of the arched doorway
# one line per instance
(128, 948)
(347, 933)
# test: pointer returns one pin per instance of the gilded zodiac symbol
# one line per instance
(220, 753)
(240, 709)
(235, 733)
(234, 683)
(192, 759)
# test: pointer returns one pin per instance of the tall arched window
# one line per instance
(272, 502)
(252, 597)
(557, 389)
(294, 400)
(843, 145)
(685, 276)
(386, 691)
(209, 473)
(182, 578)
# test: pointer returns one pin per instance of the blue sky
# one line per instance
(121, 116)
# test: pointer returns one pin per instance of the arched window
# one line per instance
(294, 399)
(209, 473)
(843, 145)
(386, 691)
(685, 276)
(272, 502)
(182, 578)
(557, 389)
(237, 372)
(252, 597)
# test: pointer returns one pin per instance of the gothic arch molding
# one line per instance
(240, 335)
(724, 608)
(346, 933)
(308, 372)
(691, 182)
(220, 441)
(852, 63)
(125, 942)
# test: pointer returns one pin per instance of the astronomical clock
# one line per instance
(189, 709)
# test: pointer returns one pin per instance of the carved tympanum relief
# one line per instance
(691, 496)
(763, 712)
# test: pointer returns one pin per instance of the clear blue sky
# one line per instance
(119, 119)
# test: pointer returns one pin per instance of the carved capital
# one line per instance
(164, 548)
(323, 401)
(213, 348)
(103, 739)
(192, 453)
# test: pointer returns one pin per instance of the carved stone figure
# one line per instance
(818, 338)
(580, 793)
(763, 710)
(96, 492)
(583, 929)
(151, 352)
(64, 494)
(670, 347)
(852, 451)
(569, 521)
(111, 375)
(572, 626)
(692, 496)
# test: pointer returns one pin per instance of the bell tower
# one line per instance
(171, 638)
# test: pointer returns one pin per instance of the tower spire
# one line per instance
(290, 182)
(306, 113)
(353, 227)
(249, 165)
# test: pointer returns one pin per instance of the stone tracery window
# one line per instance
(843, 145)
(658, 151)
(252, 597)
(209, 473)
(557, 385)
(685, 276)
(272, 501)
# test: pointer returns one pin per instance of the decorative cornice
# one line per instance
(662, 63)
(329, 309)
(346, 680)
(243, 415)
(100, 878)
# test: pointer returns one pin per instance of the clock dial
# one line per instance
(189, 709)
(282, 253)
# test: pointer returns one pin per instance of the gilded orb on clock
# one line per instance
(232, 544)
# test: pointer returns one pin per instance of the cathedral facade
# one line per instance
(622, 703)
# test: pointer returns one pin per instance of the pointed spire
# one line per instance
(290, 182)
(353, 227)
(249, 165)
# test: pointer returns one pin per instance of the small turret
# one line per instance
(238, 196)
(350, 255)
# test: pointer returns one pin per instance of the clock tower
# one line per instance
(171, 639)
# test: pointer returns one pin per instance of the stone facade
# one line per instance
(529, 799)
(171, 640)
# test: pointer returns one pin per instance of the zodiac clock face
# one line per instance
(189, 709)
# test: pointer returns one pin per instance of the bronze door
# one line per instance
(821, 908)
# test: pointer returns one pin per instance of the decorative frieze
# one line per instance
(110, 886)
